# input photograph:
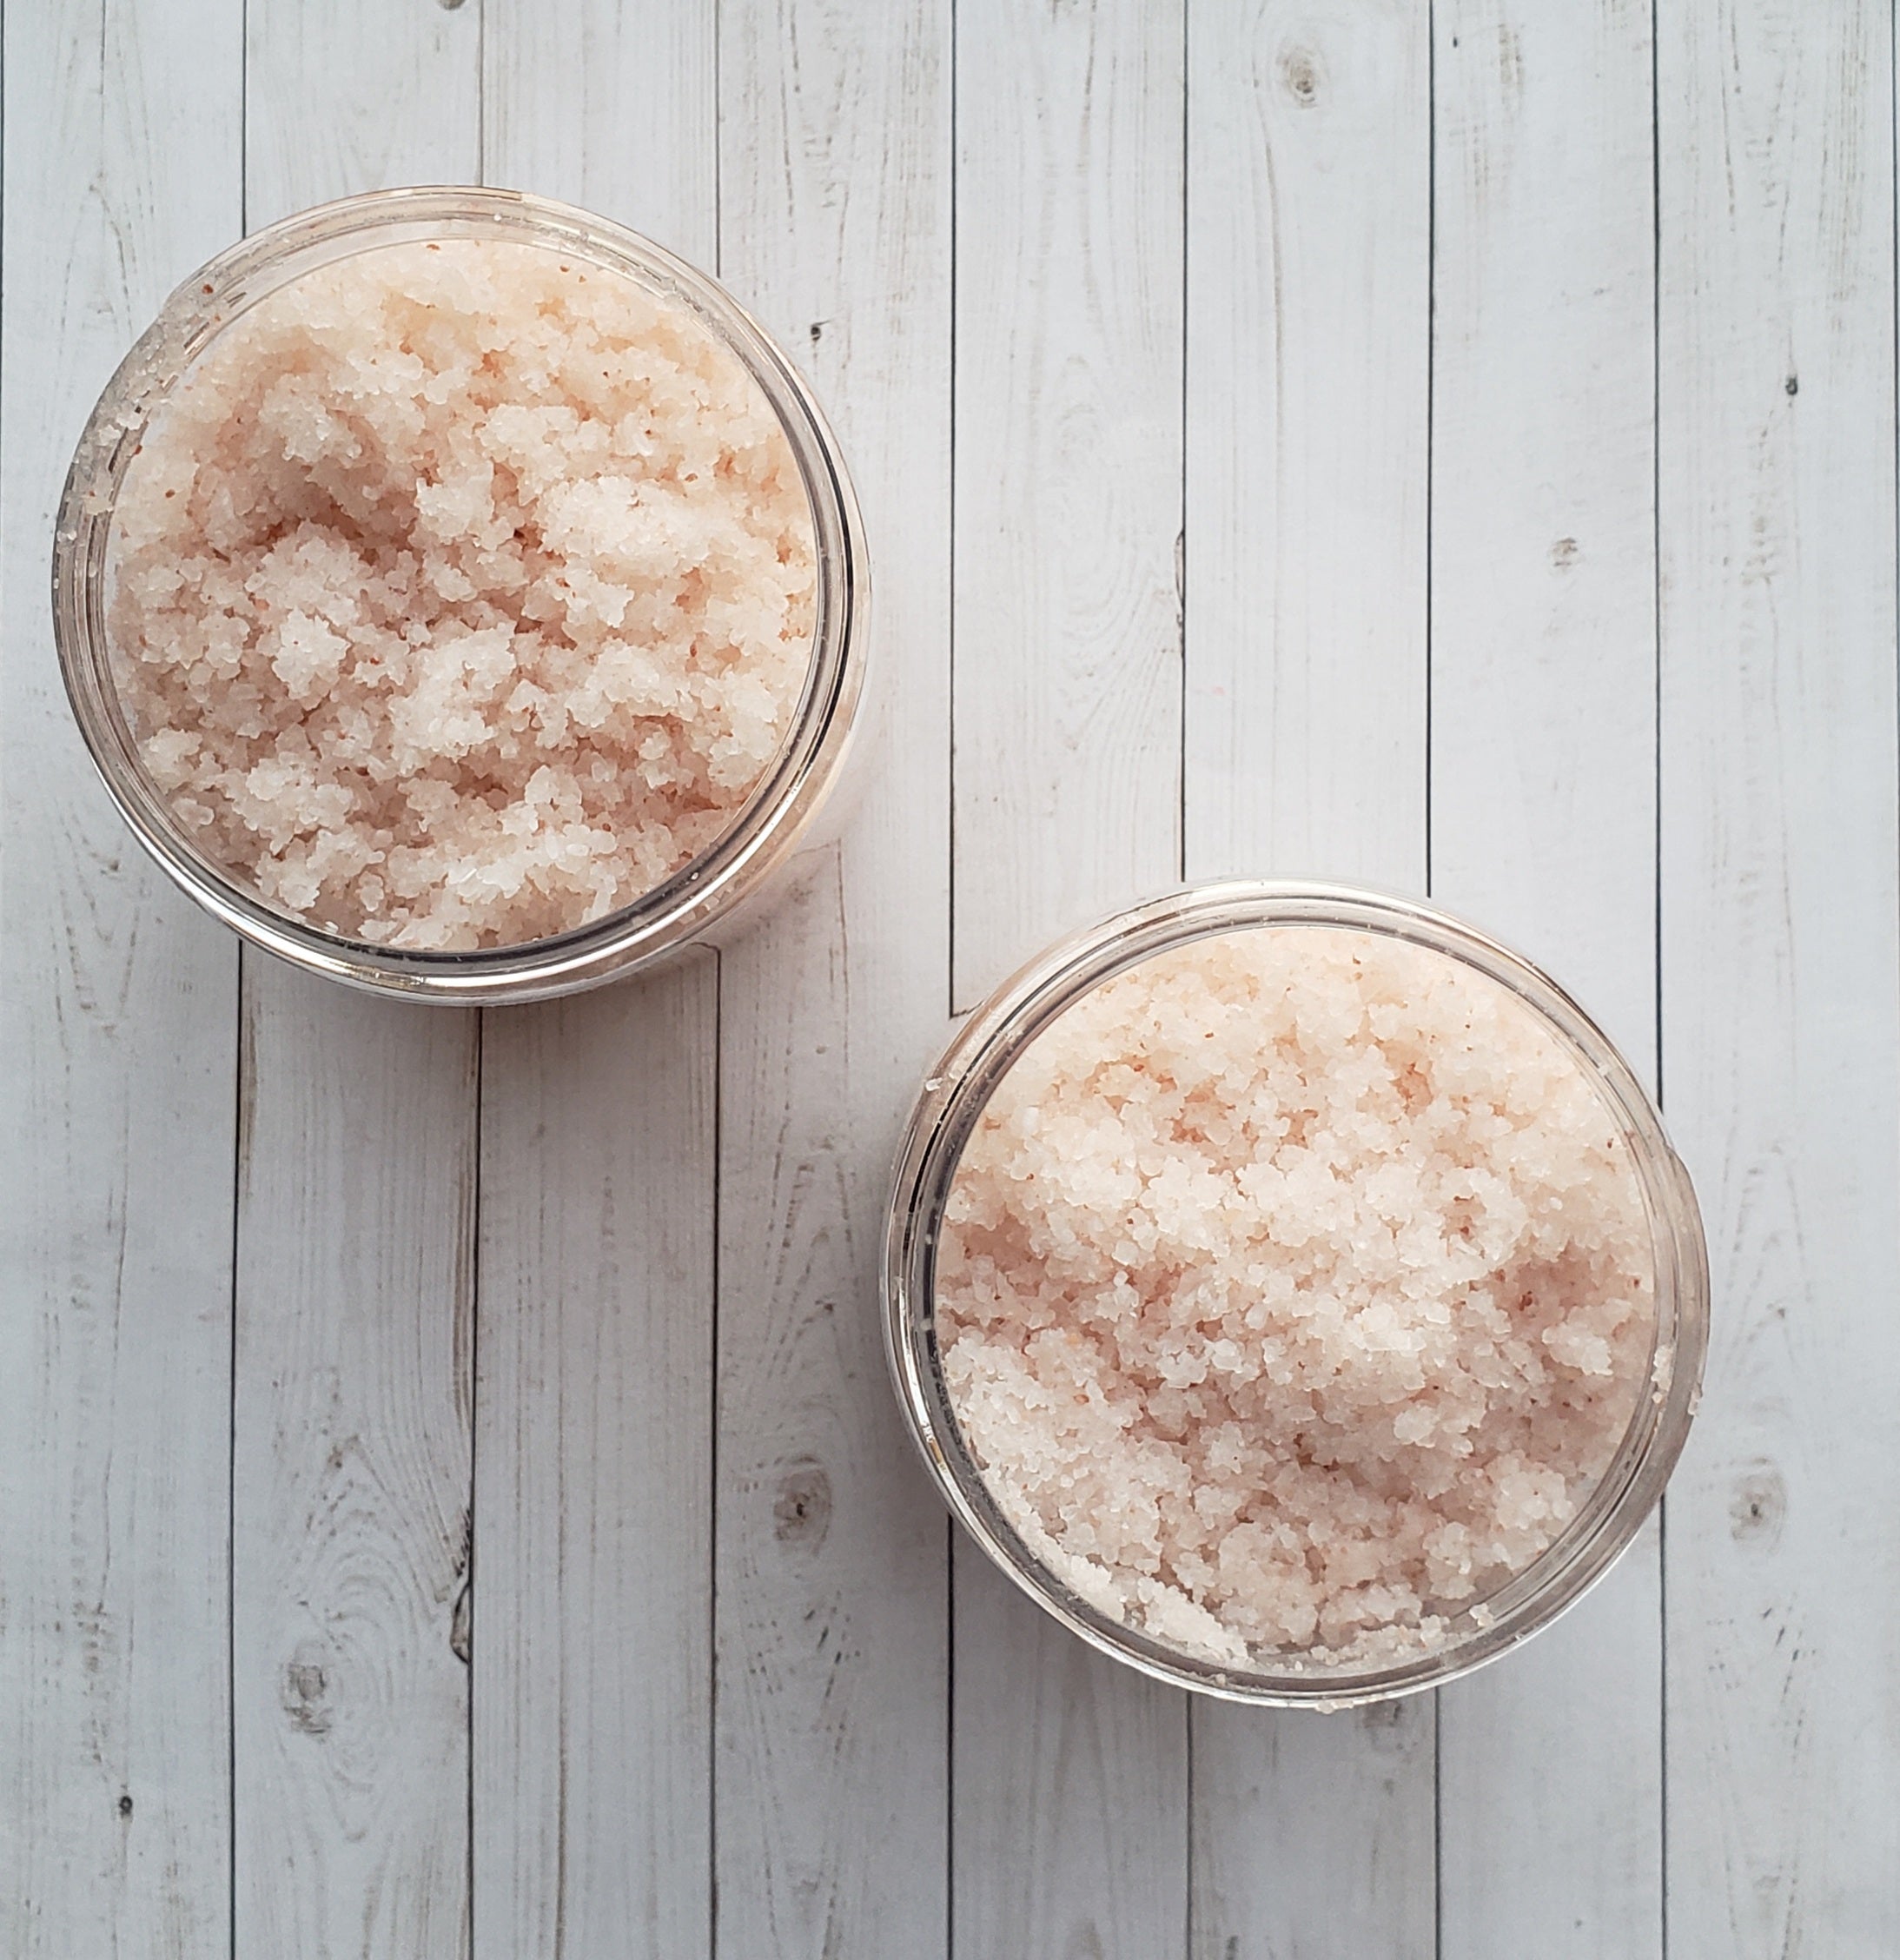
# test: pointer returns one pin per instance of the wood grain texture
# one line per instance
(1308, 349)
(350, 1469)
(1313, 1833)
(356, 1249)
(118, 1007)
(354, 95)
(1542, 696)
(593, 1545)
(1543, 506)
(1069, 433)
(1069, 1772)
(1780, 1052)
(611, 107)
(1308, 345)
(831, 1586)
(1070, 1778)
(591, 1805)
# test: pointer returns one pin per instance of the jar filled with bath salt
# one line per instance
(1294, 1292)
(460, 595)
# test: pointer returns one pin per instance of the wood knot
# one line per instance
(462, 1624)
(1757, 1505)
(1299, 77)
(801, 1511)
(1384, 1724)
(304, 1691)
(125, 1804)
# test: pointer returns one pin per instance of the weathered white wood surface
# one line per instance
(1309, 295)
(1780, 1051)
(590, 1811)
(356, 1257)
(1309, 215)
(1543, 693)
(118, 1051)
(832, 1765)
(355, 1246)
(1274, 416)
(1069, 1773)
(1069, 239)
(592, 1519)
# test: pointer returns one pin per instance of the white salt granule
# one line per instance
(461, 594)
(1295, 1288)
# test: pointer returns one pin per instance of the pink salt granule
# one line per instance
(461, 592)
(1293, 1290)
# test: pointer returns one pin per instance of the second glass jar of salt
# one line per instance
(1294, 1291)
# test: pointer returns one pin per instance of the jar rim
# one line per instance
(1001, 1028)
(757, 836)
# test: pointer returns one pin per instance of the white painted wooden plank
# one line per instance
(830, 1773)
(1070, 1788)
(355, 1253)
(355, 95)
(1068, 1771)
(1780, 1052)
(118, 1051)
(1307, 407)
(593, 1555)
(1313, 1833)
(1543, 507)
(592, 1805)
(1068, 507)
(1544, 825)
(1308, 352)
(355, 1247)
(613, 108)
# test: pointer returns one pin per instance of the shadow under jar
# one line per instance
(733, 846)
(1294, 1292)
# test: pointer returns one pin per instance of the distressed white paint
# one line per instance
(1313, 1833)
(830, 1667)
(1308, 345)
(1069, 352)
(1544, 825)
(354, 95)
(118, 1055)
(355, 1247)
(611, 107)
(592, 1535)
(1308, 338)
(350, 1470)
(627, 1733)
(1780, 1052)
(1071, 1787)
(592, 1799)
(1069, 1833)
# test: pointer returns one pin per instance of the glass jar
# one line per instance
(761, 833)
(952, 1100)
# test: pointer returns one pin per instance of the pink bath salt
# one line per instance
(1294, 1290)
(461, 594)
